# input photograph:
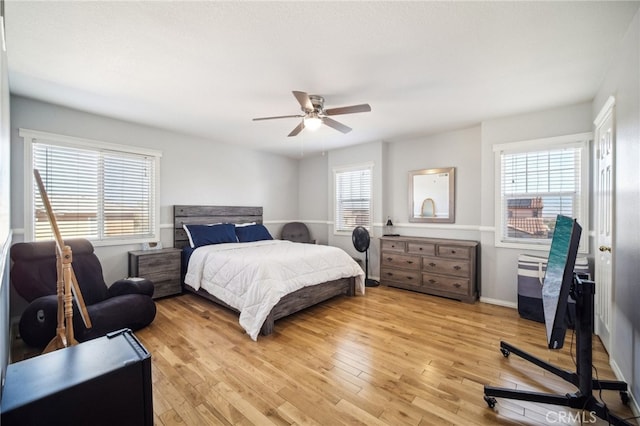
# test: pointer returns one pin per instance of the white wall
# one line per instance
(193, 171)
(623, 82)
(459, 149)
(313, 194)
(470, 151)
(359, 154)
(500, 265)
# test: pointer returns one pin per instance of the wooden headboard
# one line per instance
(203, 215)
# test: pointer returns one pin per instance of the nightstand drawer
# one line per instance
(157, 277)
(154, 264)
(166, 288)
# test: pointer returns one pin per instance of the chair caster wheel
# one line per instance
(491, 401)
(624, 396)
(505, 352)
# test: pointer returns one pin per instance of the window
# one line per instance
(103, 192)
(538, 180)
(352, 197)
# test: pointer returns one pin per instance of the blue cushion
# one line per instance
(204, 235)
(250, 233)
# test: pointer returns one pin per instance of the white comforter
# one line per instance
(252, 277)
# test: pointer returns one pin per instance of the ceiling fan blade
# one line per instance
(336, 125)
(304, 100)
(297, 130)
(348, 109)
(278, 116)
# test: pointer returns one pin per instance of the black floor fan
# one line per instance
(361, 241)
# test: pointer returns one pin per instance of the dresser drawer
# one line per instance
(406, 277)
(456, 252)
(438, 265)
(448, 284)
(387, 245)
(394, 260)
(421, 248)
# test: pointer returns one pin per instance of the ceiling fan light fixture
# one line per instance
(312, 121)
(314, 115)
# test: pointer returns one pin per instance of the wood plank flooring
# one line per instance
(392, 357)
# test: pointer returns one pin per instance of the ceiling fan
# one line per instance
(315, 115)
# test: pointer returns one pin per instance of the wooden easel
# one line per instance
(66, 283)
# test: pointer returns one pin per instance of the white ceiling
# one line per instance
(207, 68)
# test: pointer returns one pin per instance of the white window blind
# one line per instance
(537, 184)
(353, 198)
(96, 193)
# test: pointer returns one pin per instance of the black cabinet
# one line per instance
(105, 381)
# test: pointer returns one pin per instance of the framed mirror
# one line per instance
(432, 195)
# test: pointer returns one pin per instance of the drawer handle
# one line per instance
(420, 248)
(389, 259)
(409, 262)
(433, 265)
(432, 281)
(456, 285)
(409, 278)
(393, 246)
(389, 274)
(457, 268)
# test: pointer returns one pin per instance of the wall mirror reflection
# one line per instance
(432, 195)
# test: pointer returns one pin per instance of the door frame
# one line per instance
(608, 109)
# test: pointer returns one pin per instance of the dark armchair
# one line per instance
(125, 304)
(296, 232)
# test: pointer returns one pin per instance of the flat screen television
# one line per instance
(558, 279)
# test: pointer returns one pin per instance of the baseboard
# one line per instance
(499, 302)
(633, 402)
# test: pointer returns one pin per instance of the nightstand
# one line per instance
(160, 266)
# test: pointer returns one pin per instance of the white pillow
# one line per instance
(240, 225)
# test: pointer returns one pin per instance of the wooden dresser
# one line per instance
(440, 267)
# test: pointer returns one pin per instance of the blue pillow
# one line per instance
(250, 233)
(204, 235)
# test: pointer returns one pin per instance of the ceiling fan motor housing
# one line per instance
(317, 102)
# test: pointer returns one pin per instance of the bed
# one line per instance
(236, 274)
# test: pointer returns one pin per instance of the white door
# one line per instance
(605, 144)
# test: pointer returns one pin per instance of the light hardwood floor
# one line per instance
(392, 357)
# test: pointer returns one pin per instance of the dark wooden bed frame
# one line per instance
(289, 304)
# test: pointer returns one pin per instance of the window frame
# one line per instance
(31, 136)
(351, 168)
(578, 140)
